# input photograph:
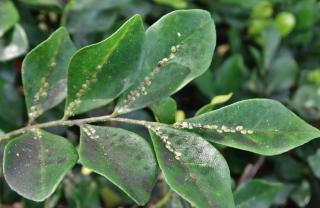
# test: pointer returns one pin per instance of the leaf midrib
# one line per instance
(107, 56)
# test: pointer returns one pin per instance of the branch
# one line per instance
(76, 122)
(251, 170)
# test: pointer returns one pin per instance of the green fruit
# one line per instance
(284, 23)
(262, 10)
(314, 76)
(257, 26)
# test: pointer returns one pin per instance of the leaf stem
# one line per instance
(162, 202)
(251, 170)
(76, 122)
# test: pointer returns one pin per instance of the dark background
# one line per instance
(268, 49)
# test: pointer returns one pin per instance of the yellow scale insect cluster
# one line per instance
(217, 128)
(90, 132)
(141, 89)
(165, 139)
(84, 88)
(41, 94)
(37, 133)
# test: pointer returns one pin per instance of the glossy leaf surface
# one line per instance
(8, 16)
(165, 110)
(44, 73)
(100, 72)
(258, 125)
(179, 47)
(13, 43)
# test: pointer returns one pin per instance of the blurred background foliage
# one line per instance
(265, 48)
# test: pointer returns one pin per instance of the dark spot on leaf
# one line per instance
(139, 157)
(91, 150)
(180, 179)
(179, 142)
(245, 141)
(146, 185)
(48, 162)
(62, 160)
(122, 138)
(217, 137)
(167, 159)
(194, 142)
(205, 171)
(199, 150)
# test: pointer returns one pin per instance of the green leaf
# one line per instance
(262, 10)
(165, 110)
(56, 3)
(287, 168)
(304, 11)
(314, 163)
(205, 82)
(82, 193)
(256, 193)
(179, 47)
(204, 109)
(230, 76)
(282, 74)
(219, 99)
(9, 16)
(97, 4)
(13, 43)
(115, 61)
(2, 145)
(123, 157)
(271, 42)
(301, 195)
(178, 4)
(79, 23)
(193, 167)
(177, 202)
(11, 104)
(306, 101)
(258, 125)
(78, 17)
(36, 162)
(44, 73)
